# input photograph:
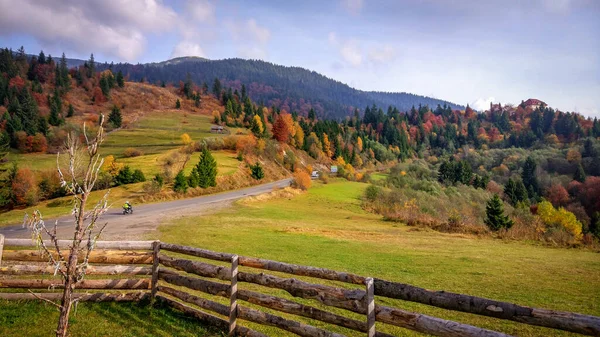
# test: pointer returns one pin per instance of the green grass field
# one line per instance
(326, 227)
(33, 319)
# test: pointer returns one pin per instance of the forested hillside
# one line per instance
(287, 88)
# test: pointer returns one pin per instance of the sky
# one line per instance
(464, 51)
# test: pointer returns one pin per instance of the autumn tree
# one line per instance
(557, 195)
(281, 129)
(80, 184)
(257, 126)
(494, 212)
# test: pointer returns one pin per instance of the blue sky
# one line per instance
(465, 51)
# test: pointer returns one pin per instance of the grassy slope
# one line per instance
(32, 319)
(327, 228)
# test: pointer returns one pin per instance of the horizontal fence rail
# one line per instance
(145, 268)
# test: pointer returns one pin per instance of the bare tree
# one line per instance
(78, 178)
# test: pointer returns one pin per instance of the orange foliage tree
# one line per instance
(282, 129)
(24, 187)
(302, 179)
(557, 195)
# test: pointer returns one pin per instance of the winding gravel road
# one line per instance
(146, 218)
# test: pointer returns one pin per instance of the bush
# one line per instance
(132, 152)
(155, 185)
(138, 176)
(257, 171)
(372, 192)
(301, 180)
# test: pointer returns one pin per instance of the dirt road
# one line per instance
(146, 218)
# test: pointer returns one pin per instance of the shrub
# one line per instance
(132, 152)
(257, 171)
(372, 192)
(24, 188)
(155, 185)
(559, 217)
(301, 180)
(138, 176)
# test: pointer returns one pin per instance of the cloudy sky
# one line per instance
(465, 51)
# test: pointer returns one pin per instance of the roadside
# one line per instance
(146, 218)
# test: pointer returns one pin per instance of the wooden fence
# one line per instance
(158, 271)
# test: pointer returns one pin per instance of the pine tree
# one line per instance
(510, 191)
(104, 85)
(91, 67)
(71, 111)
(178, 104)
(579, 174)
(588, 149)
(495, 218)
(257, 171)
(193, 178)
(120, 79)
(207, 169)
(115, 117)
(217, 88)
(181, 183)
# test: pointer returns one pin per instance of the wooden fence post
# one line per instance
(155, 263)
(1, 247)
(233, 296)
(370, 301)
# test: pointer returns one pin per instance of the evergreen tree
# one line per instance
(71, 111)
(91, 67)
(194, 178)
(217, 88)
(104, 85)
(55, 118)
(494, 212)
(529, 178)
(63, 72)
(521, 192)
(115, 117)
(257, 171)
(207, 169)
(579, 174)
(510, 191)
(178, 104)
(120, 79)
(588, 149)
(311, 115)
(181, 183)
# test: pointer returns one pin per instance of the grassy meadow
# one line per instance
(33, 319)
(326, 227)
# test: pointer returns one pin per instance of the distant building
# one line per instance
(533, 103)
(216, 129)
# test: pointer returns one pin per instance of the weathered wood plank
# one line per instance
(207, 254)
(91, 270)
(208, 318)
(370, 302)
(84, 284)
(155, 266)
(1, 247)
(583, 324)
(196, 267)
(233, 307)
(82, 297)
(119, 245)
(96, 256)
(205, 286)
(203, 303)
(430, 325)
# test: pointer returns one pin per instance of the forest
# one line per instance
(529, 158)
(287, 88)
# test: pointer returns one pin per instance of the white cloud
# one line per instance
(251, 37)
(187, 48)
(113, 28)
(332, 38)
(351, 53)
(482, 104)
(382, 55)
(353, 6)
(201, 10)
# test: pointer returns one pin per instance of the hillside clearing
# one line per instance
(326, 227)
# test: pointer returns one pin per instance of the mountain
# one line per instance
(289, 88)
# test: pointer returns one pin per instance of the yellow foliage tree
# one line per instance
(111, 166)
(298, 135)
(559, 217)
(260, 146)
(573, 156)
(186, 139)
(257, 125)
(359, 144)
(327, 146)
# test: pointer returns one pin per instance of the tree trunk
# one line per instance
(66, 301)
